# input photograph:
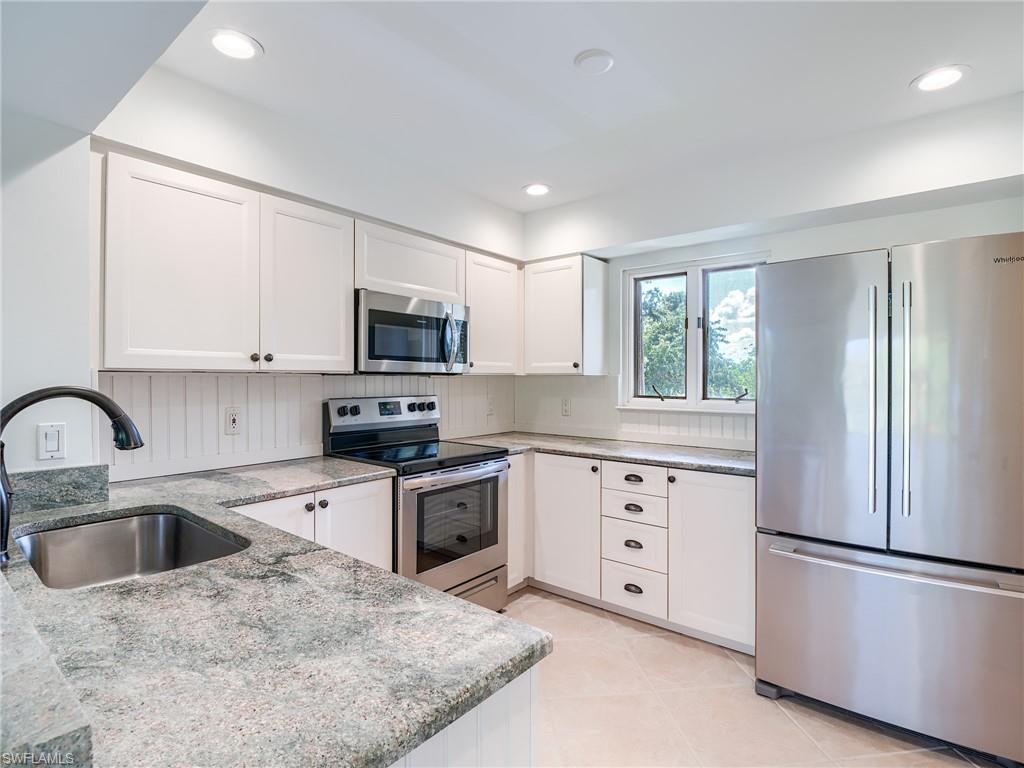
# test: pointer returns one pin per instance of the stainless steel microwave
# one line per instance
(399, 334)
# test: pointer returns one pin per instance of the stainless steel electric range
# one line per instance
(451, 499)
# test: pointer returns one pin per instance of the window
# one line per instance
(659, 323)
(667, 366)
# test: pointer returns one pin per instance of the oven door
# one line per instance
(452, 524)
(398, 334)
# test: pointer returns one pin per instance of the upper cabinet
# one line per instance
(392, 261)
(307, 305)
(182, 270)
(564, 316)
(494, 296)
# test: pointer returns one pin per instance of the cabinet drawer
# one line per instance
(645, 546)
(636, 478)
(634, 588)
(635, 507)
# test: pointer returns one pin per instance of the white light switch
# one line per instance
(51, 441)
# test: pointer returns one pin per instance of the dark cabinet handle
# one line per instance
(309, 506)
(575, 365)
(633, 588)
(631, 478)
(255, 357)
(594, 468)
(671, 478)
(634, 508)
(633, 544)
(470, 363)
(268, 357)
(323, 503)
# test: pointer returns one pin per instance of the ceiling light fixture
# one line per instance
(536, 190)
(235, 45)
(939, 78)
(593, 61)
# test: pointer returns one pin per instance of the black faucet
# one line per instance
(126, 438)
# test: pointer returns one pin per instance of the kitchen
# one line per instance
(493, 410)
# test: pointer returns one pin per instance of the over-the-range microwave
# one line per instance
(399, 334)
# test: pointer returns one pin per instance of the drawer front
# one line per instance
(635, 507)
(636, 478)
(635, 588)
(644, 546)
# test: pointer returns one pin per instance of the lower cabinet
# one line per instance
(354, 519)
(711, 554)
(567, 523)
(520, 518)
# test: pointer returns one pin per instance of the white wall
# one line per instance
(949, 149)
(179, 118)
(594, 400)
(45, 320)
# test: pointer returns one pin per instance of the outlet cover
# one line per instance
(490, 405)
(232, 420)
(566, 406)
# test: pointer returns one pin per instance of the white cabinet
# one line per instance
(393, 261)
(357, 520)
(711, 554)
(294, 514)
(567, 523)
(520, 518)
(495, 314)
(307, 305)
(564, 316)
(181, 270)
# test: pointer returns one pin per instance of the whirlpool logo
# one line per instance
(1008, 259)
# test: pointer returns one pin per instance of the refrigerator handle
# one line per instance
(872, 396)
(907, 303)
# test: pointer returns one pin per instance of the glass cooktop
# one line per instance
(413, 458)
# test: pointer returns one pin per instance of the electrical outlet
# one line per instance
(232, 420)
(566, 406)
(490, 405)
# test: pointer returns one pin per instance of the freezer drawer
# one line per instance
(933, 648)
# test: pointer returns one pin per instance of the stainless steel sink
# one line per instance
(153, 540)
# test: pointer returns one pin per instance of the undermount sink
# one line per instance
(153, 540)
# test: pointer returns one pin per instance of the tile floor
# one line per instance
(618, 692)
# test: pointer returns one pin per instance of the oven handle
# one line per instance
(455, 478)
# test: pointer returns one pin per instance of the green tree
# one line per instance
(663, 324)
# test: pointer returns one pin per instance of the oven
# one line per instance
(452, 531)
(398, 334)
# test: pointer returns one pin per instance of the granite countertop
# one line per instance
(677, 456)
(283, 654)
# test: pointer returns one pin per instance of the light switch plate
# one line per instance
(52, 441)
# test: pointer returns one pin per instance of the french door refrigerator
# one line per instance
(890, 486)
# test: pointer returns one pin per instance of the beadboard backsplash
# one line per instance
(181, 416)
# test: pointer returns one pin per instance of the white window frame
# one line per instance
(694, 400)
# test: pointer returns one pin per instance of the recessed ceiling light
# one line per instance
(236, 45)
(937, 79)
(536, 190)
(593, 61)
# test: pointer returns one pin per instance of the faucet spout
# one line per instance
(126, 438)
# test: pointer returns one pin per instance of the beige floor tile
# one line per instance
(623, 730)
(675, 661)
(735, 727)
(940, 758)
(745, 661)
(564, 619)
(842, 735)
(589, 667)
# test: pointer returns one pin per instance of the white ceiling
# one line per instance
(484, 96)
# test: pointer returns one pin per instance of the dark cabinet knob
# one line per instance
(323, 503)
(631, 478)
(633, 544)
(634, 508)
(470, 363)
(268, 357)
(633, 588)
(255, 357)
(309, 506)
(671, 478)
(575, 365)
(594, 468)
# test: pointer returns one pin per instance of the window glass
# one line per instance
(730, 334)
(660, 337)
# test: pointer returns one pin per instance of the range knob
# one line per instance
(343, 410)
(431, 406)
(412, 407)
(354, 410)
(421, 406)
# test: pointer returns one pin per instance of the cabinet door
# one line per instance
(711, 554)
(307, 305)
(181, 270)
(409, 265)
(495, 312)
(567, 523)
(292, 513)
(553, 316)
(357, 520)
(520, 518)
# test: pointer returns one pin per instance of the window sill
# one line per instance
(715, 408)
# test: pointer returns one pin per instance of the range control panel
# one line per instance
(356, 413)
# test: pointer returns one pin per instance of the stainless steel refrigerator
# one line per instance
(890, 486)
